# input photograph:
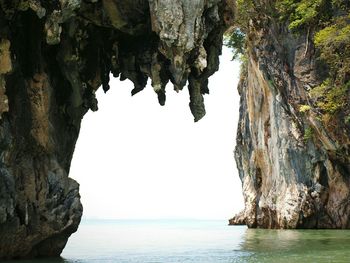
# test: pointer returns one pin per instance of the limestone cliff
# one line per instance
(293, 157)
(53, 57)
(294, 163)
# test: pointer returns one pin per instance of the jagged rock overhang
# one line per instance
(177, 41)
(54, 55)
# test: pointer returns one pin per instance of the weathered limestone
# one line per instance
(54, 55)
(5, 67)
(290, 179)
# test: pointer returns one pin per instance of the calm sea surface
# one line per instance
(199, 242)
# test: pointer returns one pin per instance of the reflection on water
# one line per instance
(259, 240)
(199, 242)
(296, 245)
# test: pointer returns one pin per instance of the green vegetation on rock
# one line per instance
(329, 97)
(302, 13)
(326, 23)
(333, 43)
(235, 40)
(329, 22)
(308, 134)
(304, 108)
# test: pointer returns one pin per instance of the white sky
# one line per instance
(137, 160)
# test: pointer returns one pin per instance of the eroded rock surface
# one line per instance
(54, 55)
(295, 170)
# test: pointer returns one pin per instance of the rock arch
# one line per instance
(54, 55)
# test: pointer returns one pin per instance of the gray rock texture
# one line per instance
(54, 55)
(295, 170)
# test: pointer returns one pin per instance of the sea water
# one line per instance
(193, 241)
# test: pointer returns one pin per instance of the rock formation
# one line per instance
(55, 54)
(53, 57)
(293, 162)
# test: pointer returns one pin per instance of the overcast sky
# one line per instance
(137, 160)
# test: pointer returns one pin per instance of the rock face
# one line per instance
(295, 170)
(53, 57)
(55, 54)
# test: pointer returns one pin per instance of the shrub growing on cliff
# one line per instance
(308, 134)
(304, 108)
(333, 42)
(336, 99)
(327, 23)
(302, 13)
(244, 12)
(235, 39)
